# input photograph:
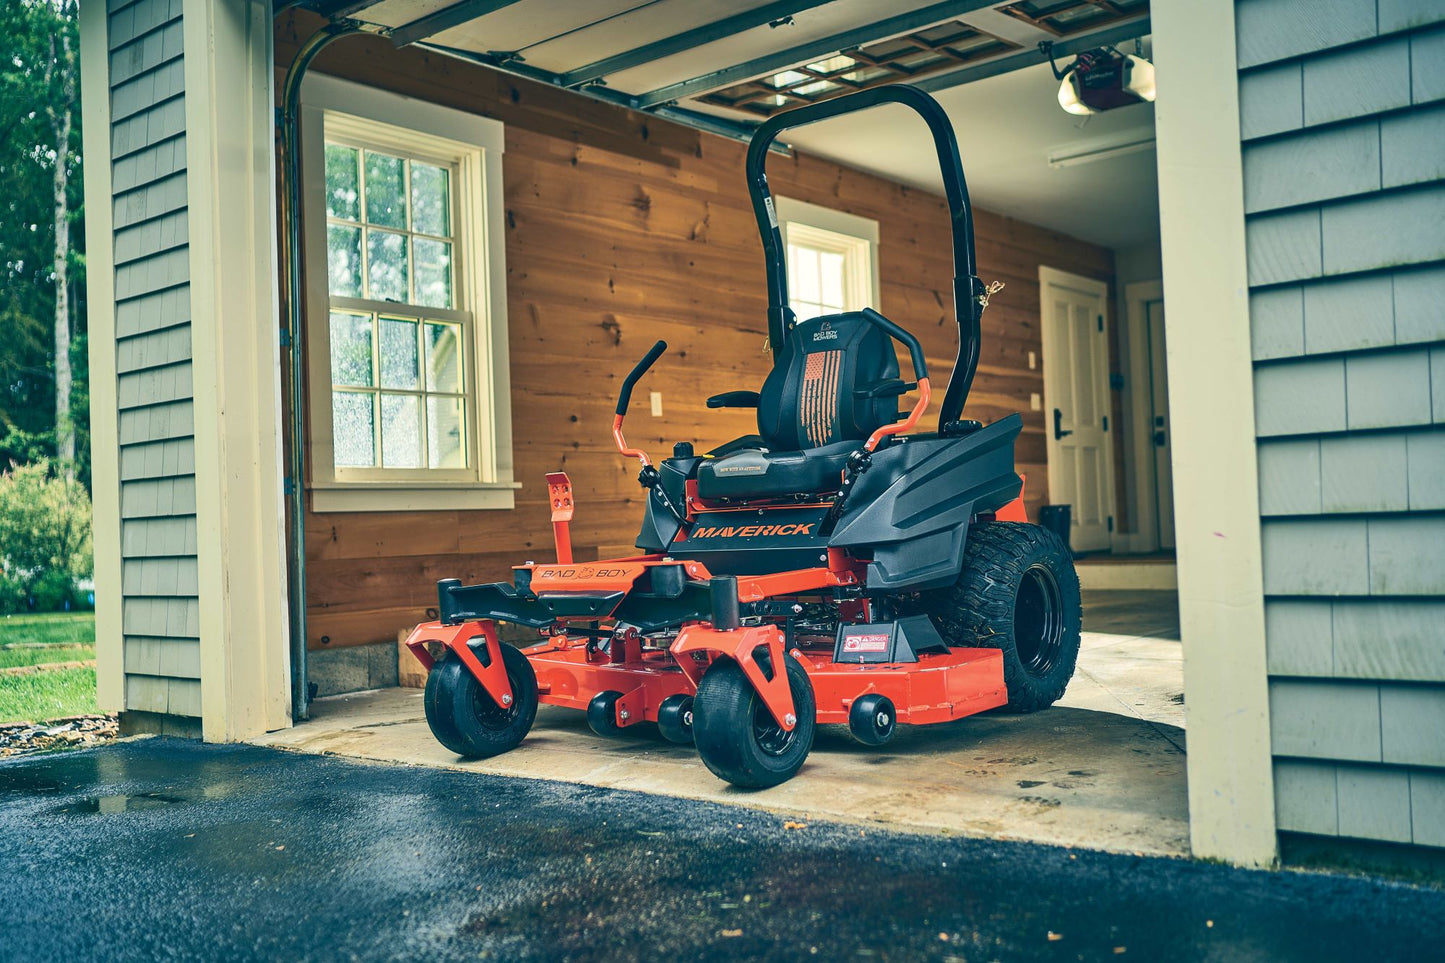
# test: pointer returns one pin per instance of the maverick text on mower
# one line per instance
(829, 569)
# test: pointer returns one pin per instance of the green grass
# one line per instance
(35, 696)
(57, 628)
(40, 655)
(41, 639)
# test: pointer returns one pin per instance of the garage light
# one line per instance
(1102, 79)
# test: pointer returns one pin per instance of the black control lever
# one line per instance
(858, 463)
(650, 479)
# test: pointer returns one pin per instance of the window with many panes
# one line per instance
(398, 385)
(832, 259)
(407, 356)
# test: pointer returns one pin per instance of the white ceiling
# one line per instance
(1006, 125)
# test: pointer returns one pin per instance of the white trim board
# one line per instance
(100, 321)
(1211, 411)
(234, 276)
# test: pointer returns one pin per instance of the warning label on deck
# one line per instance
(877, 642)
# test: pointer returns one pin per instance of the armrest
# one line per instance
(734, 399)
(891, 388)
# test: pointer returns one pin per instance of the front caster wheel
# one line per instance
(674, 719)
(737, 737)
(441, 682)
(602, 713)
(481, 727)
(872, 719)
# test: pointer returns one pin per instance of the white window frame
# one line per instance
(473, 146)
(855, 237)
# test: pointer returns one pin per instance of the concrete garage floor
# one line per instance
(1103, 769)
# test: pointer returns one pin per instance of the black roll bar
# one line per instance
(969, 294)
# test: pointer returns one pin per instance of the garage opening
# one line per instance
(618, 229)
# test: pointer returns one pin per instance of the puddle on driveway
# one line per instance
(119, 803)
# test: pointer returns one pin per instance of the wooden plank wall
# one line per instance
(622, 229)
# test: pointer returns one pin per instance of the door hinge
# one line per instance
(1111, 523)
(287, 487)
(1101, 322)
(1106, 422)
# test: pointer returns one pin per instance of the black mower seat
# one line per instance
(835, 382)
(755, 473)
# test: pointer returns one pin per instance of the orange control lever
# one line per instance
(907, 424)
(637, 453)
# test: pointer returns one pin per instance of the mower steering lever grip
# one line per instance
(624, 398)
(915, 350)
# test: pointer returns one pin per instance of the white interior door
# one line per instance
(1159, 425)
(1076, 404)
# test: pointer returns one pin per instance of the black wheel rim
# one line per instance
(770, 737)
(488, 713)
(1038, 620)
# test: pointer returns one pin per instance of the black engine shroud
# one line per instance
(910, 513)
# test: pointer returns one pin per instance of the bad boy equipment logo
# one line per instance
(825, 333)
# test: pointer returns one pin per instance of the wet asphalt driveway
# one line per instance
(160, 849)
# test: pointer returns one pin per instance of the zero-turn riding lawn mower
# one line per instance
(829, 569)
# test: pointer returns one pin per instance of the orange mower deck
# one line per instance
(939, 687)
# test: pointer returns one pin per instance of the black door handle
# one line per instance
(1059, 431)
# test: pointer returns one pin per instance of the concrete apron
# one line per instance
(1103, 769)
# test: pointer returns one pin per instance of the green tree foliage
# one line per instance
(44, 538)
(30, 32)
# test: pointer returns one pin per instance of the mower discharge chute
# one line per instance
(829, 569)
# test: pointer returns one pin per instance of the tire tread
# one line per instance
(977, 610)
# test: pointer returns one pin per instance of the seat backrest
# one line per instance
(807, 400)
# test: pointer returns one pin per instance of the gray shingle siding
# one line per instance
(160, 609)
(153, 349)
(1342, 128)
(149, 165)
(1373, 802)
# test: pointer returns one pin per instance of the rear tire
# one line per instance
(483, 727)
(1018, 592)
(736, 735)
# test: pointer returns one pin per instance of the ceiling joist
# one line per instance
(710, 123)
(772, 14)
(445, 19)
